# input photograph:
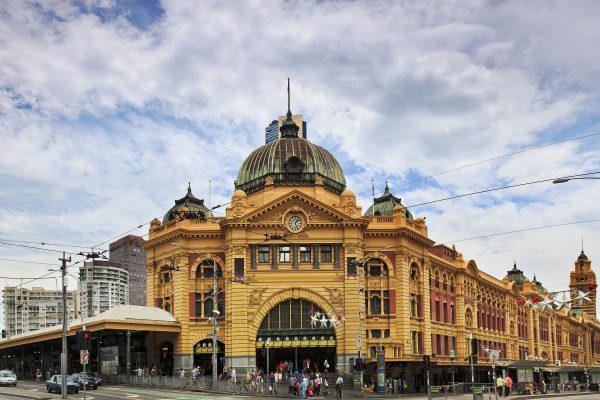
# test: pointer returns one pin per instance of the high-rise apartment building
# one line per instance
(130, 254)
(103, 285)
(272, 132)
(32, 309)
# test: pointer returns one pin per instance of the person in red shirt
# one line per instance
(507, 385)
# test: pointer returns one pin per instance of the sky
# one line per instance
(109, 108)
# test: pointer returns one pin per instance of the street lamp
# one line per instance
(215, 315)
(563, 180)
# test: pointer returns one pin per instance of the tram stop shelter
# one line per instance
(146, 334)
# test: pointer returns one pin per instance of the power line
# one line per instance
(34, 247)
(44, 243)
(495, 189)
(488, 160)
(118, 236)
(27, 262)
(521, 230)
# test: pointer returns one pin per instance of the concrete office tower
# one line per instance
(32, 309)
(103, 285)
(272, 132)
(130, 254)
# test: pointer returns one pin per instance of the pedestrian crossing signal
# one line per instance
(84, 340)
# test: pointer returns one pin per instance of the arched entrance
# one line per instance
(203, 351)
(291, 337)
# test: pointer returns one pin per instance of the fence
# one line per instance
(203, 383)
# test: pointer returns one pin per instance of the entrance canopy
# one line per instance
(294, 323)
(124, 317)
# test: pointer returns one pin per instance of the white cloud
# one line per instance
(103, 123)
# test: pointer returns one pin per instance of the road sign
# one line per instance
(84, 357)
(494, 355)
(452, 353)
(212, 334)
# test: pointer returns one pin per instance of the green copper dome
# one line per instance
(384, 205)
(195, 208)
(290, 161)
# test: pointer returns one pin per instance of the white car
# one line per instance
(7, 378)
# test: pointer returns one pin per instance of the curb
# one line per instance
(558, 395)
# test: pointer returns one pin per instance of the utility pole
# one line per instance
(267, 380)
(359, 267)
(215, 327)
(63, 363)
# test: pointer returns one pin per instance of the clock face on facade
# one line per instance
(295, 223)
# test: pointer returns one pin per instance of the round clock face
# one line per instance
(295, 223)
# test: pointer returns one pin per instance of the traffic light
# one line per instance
(84, 340)
(358, 364)
(3, 333)
(427, 361)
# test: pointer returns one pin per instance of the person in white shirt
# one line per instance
(339, 384)
(326, 365)
(233, 375)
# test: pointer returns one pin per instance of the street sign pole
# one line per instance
(84, 357)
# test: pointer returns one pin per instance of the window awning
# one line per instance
(527, 364)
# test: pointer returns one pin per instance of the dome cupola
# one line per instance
(189, 206)
(384, 205)
(290, 161)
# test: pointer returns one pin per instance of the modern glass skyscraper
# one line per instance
(272, 131)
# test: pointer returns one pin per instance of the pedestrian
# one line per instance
(233, 375)
(272, 387)
(303, 388)
(325, 365)
(339, 386)
(400, 385)
(499, 385)
(507, 386)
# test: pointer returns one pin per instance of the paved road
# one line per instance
(38, 391)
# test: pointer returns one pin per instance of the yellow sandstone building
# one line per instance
(295, 248)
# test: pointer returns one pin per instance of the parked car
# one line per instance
(54, 384)
(7, 378)
(97, 377)
(81, 378)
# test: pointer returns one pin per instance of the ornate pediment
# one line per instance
(313, 210)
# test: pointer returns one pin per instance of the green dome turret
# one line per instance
(189, 206)
(290, 161)
(384, 205)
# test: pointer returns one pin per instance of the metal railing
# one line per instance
(189, 383)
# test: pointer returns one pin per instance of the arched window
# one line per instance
(445, 282)
(452, 288)
(208, 307)
(206, 270)
(167, 307)
(375, 305)
(436, 282)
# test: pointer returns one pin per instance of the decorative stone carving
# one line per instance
(319, 180)
(350, 249)
(250, 278)
(349, 205)
(339, 278)
(335, 296)
(301, 235)
(239, 206)
(256, 296)
(269, 180)
(239, 251)
(155, 223)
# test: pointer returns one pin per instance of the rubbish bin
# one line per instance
(478, 391)
(396, 387)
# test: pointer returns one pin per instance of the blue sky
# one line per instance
(109, 108)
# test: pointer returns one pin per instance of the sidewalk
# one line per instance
(24, 393)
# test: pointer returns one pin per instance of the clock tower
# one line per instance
(583, 278)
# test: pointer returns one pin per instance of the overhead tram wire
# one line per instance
(28, 262)
(488, 160)
(36, 248)
(44, 243)
(520, 230)
(495, 189)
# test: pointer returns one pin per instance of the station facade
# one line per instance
(295, 246)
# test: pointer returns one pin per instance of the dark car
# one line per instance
(54, 384)
(83, 378)
(97, 377)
